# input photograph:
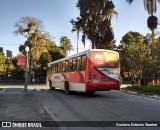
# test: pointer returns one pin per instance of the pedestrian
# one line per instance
(133, 80)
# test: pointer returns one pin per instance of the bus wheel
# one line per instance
(67, 88)
(50, 85)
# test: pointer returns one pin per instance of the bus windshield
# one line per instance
(104, 59)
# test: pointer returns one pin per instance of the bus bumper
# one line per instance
(102, 87)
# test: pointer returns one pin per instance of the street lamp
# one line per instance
(27, 50)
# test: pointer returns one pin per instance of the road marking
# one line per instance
(137, 96)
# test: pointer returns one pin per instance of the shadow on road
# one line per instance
(98, 94)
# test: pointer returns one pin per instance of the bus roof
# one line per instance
(79, 54)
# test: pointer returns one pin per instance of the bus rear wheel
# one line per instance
(66, 87)
(50, 85)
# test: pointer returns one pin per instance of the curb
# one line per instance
(141, 94)
(131, 92)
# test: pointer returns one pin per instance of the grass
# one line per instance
(149, 90)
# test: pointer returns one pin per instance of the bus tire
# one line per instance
(66, 88)
(50, 85)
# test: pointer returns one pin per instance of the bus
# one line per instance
(88, 71)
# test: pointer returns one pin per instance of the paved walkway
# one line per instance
(16, 105)
(125, 85)
(39, 86)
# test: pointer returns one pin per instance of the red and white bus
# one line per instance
(88, 71)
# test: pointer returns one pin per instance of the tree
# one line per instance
(95, 22)
(44, 59)
(151, 7)
(152, 23)
(2, 62)
(1, 49)
(27, 26)
(132, 37)
(42, 70)
(66, 44)
(57, 53)
(9, 66)
(140, 58)
(6, 65)
(31, 28)
(135, 61)
(76, 28)
(39, 41)
(18, 71)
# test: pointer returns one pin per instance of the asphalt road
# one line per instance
(102, 106)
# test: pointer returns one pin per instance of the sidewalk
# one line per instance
(16, 105)
(125, 85)
(33, 86)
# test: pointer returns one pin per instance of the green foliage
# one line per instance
(151, 7)
(95, 22)
(134, 59)
(132, 38)
(6, 65)
(1, 50)
(22, 49)
(66, 45)
(141, 59)
(57, 53)
(44, 59)
(41, 48)
(26, 26)
(2, 63)
(145, 89)
(152, 22)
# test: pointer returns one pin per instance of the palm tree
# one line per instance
(151, 7)
(95, 22)
(76, 28)
(66, 44)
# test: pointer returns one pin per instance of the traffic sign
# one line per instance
(21, 60)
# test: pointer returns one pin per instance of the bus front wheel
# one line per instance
(50, 85)
(67, 88)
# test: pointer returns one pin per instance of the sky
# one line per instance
(56, 16)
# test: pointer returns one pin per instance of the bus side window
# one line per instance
(63, 66)
(56, 68)
(79, 63)
(52, 69)
(74, 64)
(67, 66)
(59, 67)
(83, 63)
(48, 70)
(70, 65)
